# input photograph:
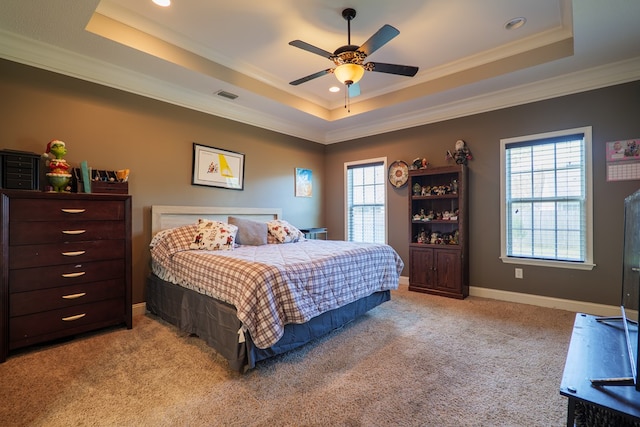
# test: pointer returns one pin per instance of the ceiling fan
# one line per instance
(349, 58)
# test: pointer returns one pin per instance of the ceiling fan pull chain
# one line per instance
(347, 99)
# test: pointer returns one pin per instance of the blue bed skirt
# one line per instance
(216, 322)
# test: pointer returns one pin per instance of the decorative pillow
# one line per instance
(214, 236)
(253, 233)
(176, 239)
(283, 232)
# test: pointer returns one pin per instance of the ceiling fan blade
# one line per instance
(354, 90)
(402, 70)
(310, 77)
(379, 39)
(311, 48)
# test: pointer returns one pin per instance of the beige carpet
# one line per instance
(417, 360)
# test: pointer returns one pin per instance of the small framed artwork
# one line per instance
(304, 182)
(214, 167)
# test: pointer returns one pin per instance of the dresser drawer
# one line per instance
(65, 210)
(23, 303)
(27, 256)
(27, 233)
(31, 279)
(19, 182)
(24, 330)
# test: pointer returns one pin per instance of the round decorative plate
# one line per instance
(398, 173)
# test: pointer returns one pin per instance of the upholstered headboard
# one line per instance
(163, 217)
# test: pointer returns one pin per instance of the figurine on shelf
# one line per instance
(58, 174)
(462, 154)
(422, 236)
(417, 188)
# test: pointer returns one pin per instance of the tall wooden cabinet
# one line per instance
(66, 265)
(438, 250)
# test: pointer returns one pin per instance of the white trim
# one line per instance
(139, 309)
(549, 302)
(49, 57)
(537, 300)
(588, 262)
(346, 197)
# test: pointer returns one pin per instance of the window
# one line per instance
(546, 212)
(366, 215)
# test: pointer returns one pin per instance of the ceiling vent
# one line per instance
(226, 94)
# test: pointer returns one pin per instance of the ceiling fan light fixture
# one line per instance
(351, 73)
(163, 3)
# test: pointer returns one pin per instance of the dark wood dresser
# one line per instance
(66, 265)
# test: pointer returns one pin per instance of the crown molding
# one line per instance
(41, 55)
(581, 81)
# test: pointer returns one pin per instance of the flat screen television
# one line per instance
(631, 279)
(630, 300)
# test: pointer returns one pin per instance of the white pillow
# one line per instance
(283, 232)
(214, 236)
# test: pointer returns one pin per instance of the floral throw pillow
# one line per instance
(214, 236)
(281, 231)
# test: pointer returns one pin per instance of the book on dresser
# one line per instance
(438, 246)
(66, 265)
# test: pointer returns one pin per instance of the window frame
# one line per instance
(588, 263)
(365, 162)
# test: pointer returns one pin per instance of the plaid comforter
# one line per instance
(276, 284)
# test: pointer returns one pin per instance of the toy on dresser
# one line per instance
(58, 174)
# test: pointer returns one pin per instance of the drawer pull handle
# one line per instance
(73, 211)
(72, 318)
(75, 253)
(74, 296)
(73, 231)
(78, 274)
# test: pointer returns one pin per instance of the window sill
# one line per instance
(546, 263)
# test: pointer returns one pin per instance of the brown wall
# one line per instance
(112, 130)
(612, 112)
(115, 130)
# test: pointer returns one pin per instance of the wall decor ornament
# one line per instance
(215, 167)
(304, 182)
(398, 173)
(461, 155)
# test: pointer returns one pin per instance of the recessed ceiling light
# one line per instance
(515, 23)
(334, 89)
(163, 3)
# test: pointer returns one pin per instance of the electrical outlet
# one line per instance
(519, 273)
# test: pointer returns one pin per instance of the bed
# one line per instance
(259, 295)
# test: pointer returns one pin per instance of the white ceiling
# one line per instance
(468, 61)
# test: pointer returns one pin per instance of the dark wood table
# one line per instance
(598, 350)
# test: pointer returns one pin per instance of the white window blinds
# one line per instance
(546, 198)
(366, 218)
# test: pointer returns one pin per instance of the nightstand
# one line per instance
(312, 233)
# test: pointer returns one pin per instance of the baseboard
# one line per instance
(139, 308)
(541, 301)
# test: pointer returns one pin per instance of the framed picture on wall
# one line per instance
(215, 167)
(304, 181)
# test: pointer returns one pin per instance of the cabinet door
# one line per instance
(447, 273)
(421, 267)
